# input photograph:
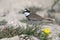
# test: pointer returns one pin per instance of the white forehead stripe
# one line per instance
(26, 13)
(25, 10)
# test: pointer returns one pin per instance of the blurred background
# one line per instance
(11, 13)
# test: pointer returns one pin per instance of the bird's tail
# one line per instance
(48, 20)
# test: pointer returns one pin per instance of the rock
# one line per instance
(34, 38)
(28, 37)
(14, 38)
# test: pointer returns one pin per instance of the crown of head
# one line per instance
(27, 10)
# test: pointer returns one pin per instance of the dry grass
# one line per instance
(29, 31)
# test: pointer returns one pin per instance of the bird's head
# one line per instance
(26, 12)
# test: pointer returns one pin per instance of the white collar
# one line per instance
(26, 14)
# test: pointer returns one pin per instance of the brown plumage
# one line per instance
(35, 17)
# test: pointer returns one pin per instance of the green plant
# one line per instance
(44, 34)
(31, 30)
(10, 32)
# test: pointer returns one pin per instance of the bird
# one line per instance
(32, 17)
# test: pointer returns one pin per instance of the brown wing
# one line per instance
(35, 17)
